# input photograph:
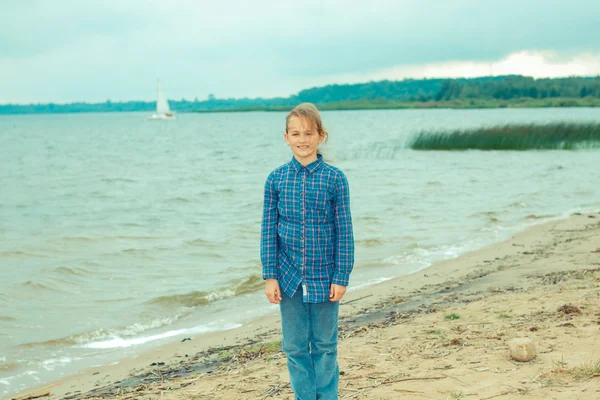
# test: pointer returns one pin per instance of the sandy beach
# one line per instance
(441, 333)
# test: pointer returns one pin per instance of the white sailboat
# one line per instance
(162, 106)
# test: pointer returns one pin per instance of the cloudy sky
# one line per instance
(74, 50)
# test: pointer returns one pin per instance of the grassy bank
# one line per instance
(558, 136)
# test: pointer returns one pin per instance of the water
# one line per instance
(117, 233)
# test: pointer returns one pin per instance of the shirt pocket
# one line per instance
(317, 205)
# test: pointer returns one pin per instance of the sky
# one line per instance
(73, 50)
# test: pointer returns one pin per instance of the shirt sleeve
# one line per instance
(344, 238)
(268, 231)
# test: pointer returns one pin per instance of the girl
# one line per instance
(307, 253)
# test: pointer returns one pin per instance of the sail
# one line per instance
(162, 105)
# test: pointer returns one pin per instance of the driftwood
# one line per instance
(352, 301)
(406, 391)
(412, 379)
(496, 395)
(37, 396)
(362, 376)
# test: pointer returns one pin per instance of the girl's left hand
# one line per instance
(336, 292)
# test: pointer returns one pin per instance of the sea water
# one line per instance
(118, 233)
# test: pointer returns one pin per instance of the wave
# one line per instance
(118, 180)
(237, 287)
(419, 257)
(69, 340)
(133, 237)
(545, 216)
(37, 286)
(115, 300)
(251, 266)
(491, 216)
(388, 150)
(517, 204)
(192, 299)
(434, 183)
(130, 336)
(136, 251)
(74, 271)
(7, 367)
(367, 218)
(369, 242)
(250, 285)
(52, 363)
(75, 239)
(103, 334)
(178, 200)
(202, 243)
(485, 213)
(12, 253)
(7, 319)
(118, 342)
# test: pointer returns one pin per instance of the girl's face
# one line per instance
(303, 138)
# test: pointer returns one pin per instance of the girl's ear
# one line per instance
(285, 136)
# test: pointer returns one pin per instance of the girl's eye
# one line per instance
(308, 133)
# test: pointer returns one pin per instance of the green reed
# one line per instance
(556, 136)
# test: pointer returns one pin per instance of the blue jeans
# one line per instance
(310, 336)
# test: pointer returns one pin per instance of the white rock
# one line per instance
(522, 349)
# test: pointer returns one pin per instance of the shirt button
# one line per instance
(302, 194)
(302, 222)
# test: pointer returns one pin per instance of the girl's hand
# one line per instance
(336, 292)
(272, 291)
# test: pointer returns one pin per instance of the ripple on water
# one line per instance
(7, 367)
(72, 271)
(39, 287)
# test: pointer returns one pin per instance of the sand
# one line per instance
(441, 333)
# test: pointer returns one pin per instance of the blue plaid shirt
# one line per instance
(306, 232)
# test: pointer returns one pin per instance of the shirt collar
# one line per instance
(312, 167)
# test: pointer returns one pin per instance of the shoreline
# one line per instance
(434, 105)
(495, 270)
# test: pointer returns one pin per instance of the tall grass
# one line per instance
(556, 136)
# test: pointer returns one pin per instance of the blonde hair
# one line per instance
(310, 111)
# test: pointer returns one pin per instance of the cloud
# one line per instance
(34, 27)
(68, 50)
(538, 64)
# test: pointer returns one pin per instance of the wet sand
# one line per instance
(440, 333)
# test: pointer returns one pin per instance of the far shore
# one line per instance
(523, 103)
(440, 333)
(425, 105)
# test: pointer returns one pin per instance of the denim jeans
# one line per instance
(310, 336)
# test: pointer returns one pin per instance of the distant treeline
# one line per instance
(484, 92)
(516, 87)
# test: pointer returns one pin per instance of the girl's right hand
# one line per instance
(272, 291)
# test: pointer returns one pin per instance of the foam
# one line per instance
(119, 342)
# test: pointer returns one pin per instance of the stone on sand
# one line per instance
(521, 349)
